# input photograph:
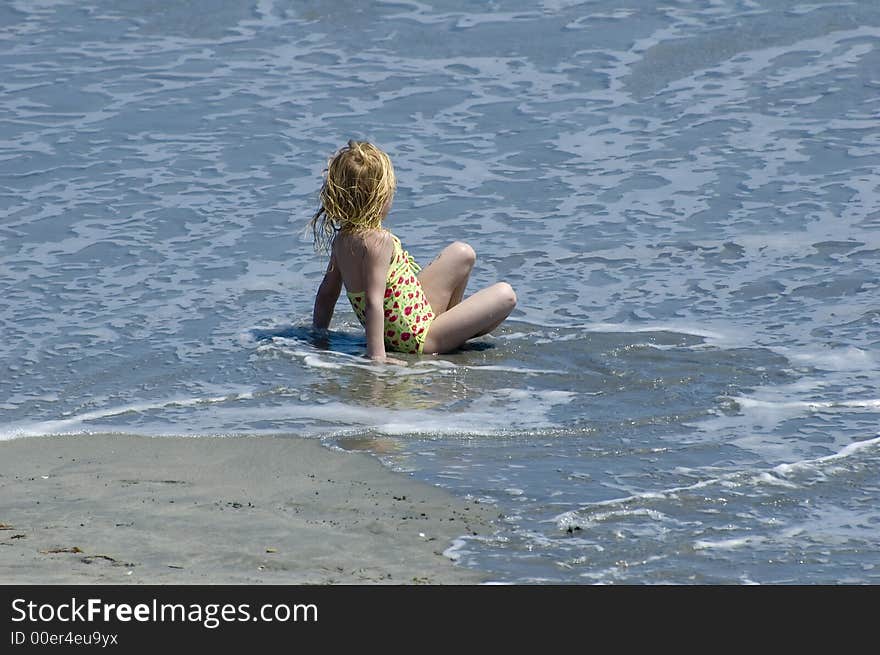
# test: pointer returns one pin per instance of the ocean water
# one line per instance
(684, 194)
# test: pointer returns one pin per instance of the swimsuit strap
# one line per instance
(409, 258)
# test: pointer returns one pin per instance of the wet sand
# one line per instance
(111, 509)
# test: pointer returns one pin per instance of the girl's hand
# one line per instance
(385, 359)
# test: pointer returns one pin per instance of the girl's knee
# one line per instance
(464, 252)
(506, 295)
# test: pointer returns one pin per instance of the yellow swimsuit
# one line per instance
(408, 314)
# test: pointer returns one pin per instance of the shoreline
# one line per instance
(124, 509)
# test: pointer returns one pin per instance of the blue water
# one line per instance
(684, 195)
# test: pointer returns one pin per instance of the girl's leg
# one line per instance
(445, 278)
(479, 314)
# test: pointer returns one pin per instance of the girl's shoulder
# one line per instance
(371, 242)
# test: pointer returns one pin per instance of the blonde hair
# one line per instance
(358, 186)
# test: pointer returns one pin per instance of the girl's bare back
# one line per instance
(354, 252)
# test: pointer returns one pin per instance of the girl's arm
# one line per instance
(376, 263)
(328, 294)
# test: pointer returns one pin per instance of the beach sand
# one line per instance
(110, 509)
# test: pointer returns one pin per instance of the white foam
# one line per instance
(570, 520)
(335, 360)
(812, 464)
(625, 328)
(75, 423)
(338, 360)
(520, 370)
(585, 515)
(767, 407)
(671, 328)
(512, 369)
(459, 547)
(768, 478)
(560, 5)
(845, 359)
(317, 362)
(489, 414)
(455, 551)
(806, 405)
(727, 544)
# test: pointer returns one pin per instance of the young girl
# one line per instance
(403, 308)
